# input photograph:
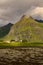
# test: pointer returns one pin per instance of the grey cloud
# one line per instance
(12, 10)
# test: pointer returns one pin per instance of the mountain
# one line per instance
(41, 21)
(5, 30)
(27, 28)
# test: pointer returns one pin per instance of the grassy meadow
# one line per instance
(20, 44)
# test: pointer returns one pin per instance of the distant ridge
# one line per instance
(41, 21)
(4, 30)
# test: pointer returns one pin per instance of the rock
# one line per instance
(22, 56)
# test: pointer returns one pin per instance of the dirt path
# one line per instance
(21, 56)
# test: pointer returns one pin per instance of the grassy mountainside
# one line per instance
(26, 28)
(29, 29)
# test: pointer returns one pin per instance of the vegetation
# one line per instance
(20, 44)
(24, 41)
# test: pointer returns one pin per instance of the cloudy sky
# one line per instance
(12, 10)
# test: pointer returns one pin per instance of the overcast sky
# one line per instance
(12, 10)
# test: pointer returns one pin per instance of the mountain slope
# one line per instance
(29, 29)
(5, 30)
(26, 28)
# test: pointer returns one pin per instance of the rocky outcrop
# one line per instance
(21, 56)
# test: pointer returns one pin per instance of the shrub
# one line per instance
(1, 40)
(24, 41)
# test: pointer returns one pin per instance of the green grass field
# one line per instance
(20, 44)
